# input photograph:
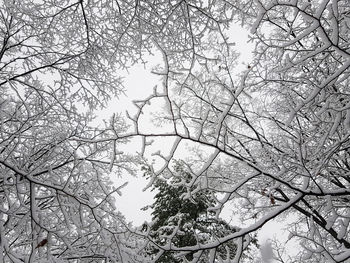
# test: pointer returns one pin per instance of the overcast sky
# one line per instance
(139, 83)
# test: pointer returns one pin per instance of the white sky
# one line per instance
(139, 84)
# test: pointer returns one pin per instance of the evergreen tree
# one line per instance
(186, 221)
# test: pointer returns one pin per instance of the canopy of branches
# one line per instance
(267, 142)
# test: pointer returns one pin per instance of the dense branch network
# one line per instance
(274, 141)
(59, 62)
(267, 142)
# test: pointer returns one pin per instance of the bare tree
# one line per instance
(59, 61)
(57, 201)
(270, 143)
(274, 141)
